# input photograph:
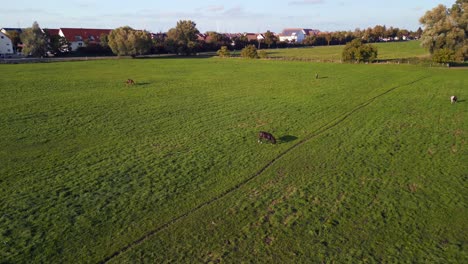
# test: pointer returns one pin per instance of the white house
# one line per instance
(296, 34)
(6, 46)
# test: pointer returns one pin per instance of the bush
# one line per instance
(93, 50)
(249, 52)
(443, 55)
(357, 51)
(263, 54)
(223, 52)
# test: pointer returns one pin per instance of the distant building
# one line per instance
(81, 37)
(251, 36)
(9, 32)
(6, 46)
(158, 36)
(6, 30)
(297, 34)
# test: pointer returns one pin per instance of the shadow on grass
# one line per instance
(287, 138)
(142, 83)
(461, 101)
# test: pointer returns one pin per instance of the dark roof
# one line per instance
(82, 34)
(158, 35)
(291, 31)
(296, 31)
(19, 30)
(311, 32)
(232, 35)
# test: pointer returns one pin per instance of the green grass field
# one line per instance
(386, 51)
(370, 165)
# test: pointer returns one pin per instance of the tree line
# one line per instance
(184, 39)
(444, 35)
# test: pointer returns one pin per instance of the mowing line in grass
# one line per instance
(336, 121)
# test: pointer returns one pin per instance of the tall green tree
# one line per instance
(218, 38)
(419, 32)
(183, 37)
(446, 28)
(328, 38)
(215, 41)
(125, 41)
(241, 41)
(143, 42)
(57, 44)
(270, 38)
(34, 41)
(379, 31)
(104, 40)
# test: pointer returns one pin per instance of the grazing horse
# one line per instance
(267, 136)
(453, 99)
(130, 82)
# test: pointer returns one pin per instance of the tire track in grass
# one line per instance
(333, 123)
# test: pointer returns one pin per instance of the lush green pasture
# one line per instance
(370, 165)
(386, 51)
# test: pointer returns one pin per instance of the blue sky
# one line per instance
(221, 15)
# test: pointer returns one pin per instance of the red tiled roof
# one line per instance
(251, 36)
(201, 37)
(52, 31)
(82, 34)
(232, 35)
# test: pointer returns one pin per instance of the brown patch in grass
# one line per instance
(458, 132)
(243, 125)
(454, 148)
(316, 201)
(261, 122)
(290, 191)
(430, 151)
(273, 203)
(413, 187)
(269, 240)
(291, 218)
(254, 193)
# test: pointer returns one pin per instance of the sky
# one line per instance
(221, 15)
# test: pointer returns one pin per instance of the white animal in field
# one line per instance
(453, 99)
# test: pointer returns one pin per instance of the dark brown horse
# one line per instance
(130, 82)
(267, 136)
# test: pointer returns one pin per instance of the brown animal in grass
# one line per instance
(130, 82)
(267, 136)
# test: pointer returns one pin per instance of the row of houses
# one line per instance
(77, 37)
(81, 37)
